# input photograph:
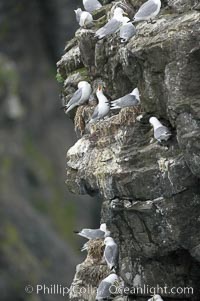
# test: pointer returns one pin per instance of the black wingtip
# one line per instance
(63, 107)
(76, 231)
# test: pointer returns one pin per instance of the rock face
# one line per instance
(150, 192)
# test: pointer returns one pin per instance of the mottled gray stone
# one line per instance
(188, 133)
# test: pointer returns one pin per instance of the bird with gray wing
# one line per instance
(111, 252)
(91, 5)
(80, 96)
(113, 24)
(105, 287)
(102, 232)
(127, 30)
(161, 132)
(148, 11)
(84, 18)
(156, 298)
(103, 107)
(129, 100)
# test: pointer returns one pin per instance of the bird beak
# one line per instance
(125, 14)
(99, 88)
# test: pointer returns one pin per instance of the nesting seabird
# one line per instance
(91, 5)
(127, 30)
(103, 107)
(111, 252)
(161, 132)
(156, 298)
(100, 233)
(148, 11)
(84, 18)
(129, 100)
(89, 273)
(80, 96)
(113, 24)
(105, 287)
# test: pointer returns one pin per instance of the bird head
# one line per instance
(153, 120)
(118, 11)
(78, 10)
(125, 20)
(103, 227)
(112, 278)
(107, 240)
(136, 93)
(156, 298)
(82, 84)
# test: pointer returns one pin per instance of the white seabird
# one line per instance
(148, 11)
(104, 290)
(113, 24)
(127, 30)
(91, 5)
(110, 252)
(80, 96)
(129, 100)
(103, 107)
(156, 298)
(100, 233)
(161, 132)
(84, 18)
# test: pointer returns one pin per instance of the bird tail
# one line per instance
(63, 107)
(91, 121)
(76, 232)
(69, 108)
(113, 269)
(114, 106)
(99, 34)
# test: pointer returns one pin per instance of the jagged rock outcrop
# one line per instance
(150, 192)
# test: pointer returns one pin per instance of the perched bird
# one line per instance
(104, 290)
(113, 24)
(84, 18)
(80, 96)
(111, 252)
(161, 132)
(148, 11)
(156, 298)
(102, 232)
(103, 107)
(91, 5)
(89, 273)
(129, 100)
(127, 30)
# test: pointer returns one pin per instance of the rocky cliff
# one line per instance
(150, 192)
